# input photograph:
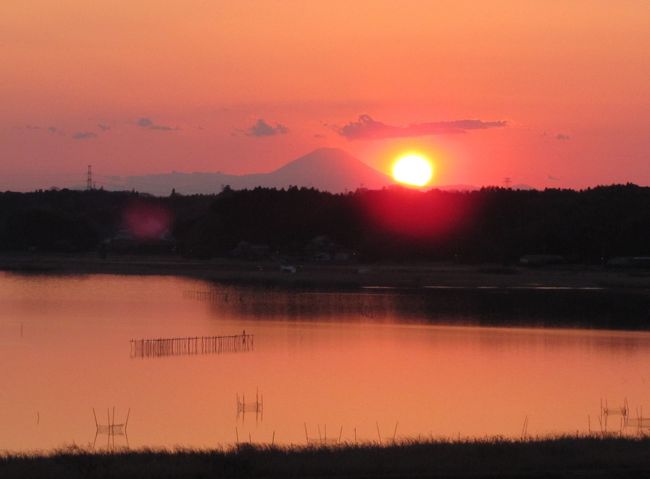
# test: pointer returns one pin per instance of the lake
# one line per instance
(358, 365)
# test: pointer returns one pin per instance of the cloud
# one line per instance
(84, 135)
(262, 128)
(149, 124)
(103, 126)
(145, 122)
(53, 130)
(562, 137)
(367, 128)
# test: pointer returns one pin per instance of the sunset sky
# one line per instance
(548, 93)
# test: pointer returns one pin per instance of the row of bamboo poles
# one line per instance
(151, 348)
(626, 424)
(205, 295)
(639, 423)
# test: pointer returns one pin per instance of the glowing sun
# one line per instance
(413, 170)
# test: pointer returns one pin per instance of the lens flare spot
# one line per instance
(147, 221)
(413, 170)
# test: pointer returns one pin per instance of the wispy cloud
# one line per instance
(368, 128)
(262, 128)
(149, 124)
(103, 126)
(53, 130)
(84, 135)
(562, 137)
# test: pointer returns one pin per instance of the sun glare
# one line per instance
(413, 170)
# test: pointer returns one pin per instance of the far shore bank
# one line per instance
(561, 457)
(330, 275)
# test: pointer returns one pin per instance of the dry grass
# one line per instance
(550, 457)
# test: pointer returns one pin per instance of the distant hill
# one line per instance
(521, 186)
(456, 187)
(326, 169)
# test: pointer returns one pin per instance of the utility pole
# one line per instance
(89, 178)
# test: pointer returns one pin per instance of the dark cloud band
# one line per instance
(367, 128)
(149, 124)
(84, 135)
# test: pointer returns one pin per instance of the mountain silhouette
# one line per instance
(330, 169)
(326, 169)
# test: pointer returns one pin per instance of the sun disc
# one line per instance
(413, 169)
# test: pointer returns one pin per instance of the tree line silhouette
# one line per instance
(491, 224)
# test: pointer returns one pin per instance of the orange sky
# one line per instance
(144, 87)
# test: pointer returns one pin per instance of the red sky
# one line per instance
(149, 86)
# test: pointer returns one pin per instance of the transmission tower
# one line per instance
(89, 178)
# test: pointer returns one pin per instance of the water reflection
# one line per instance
(111, 430)
(255, 406)
(364, 365)
(514, 306)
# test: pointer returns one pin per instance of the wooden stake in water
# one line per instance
(524, 429)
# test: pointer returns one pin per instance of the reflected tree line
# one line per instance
(491, 224)
(595, 308)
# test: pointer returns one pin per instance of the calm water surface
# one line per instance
(348, 363)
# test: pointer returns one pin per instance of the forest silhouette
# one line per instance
(590, 226)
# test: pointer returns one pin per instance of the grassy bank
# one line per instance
(563, 457)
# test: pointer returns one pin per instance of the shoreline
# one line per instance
(432, 293)
(337, 276)
(564, 456)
